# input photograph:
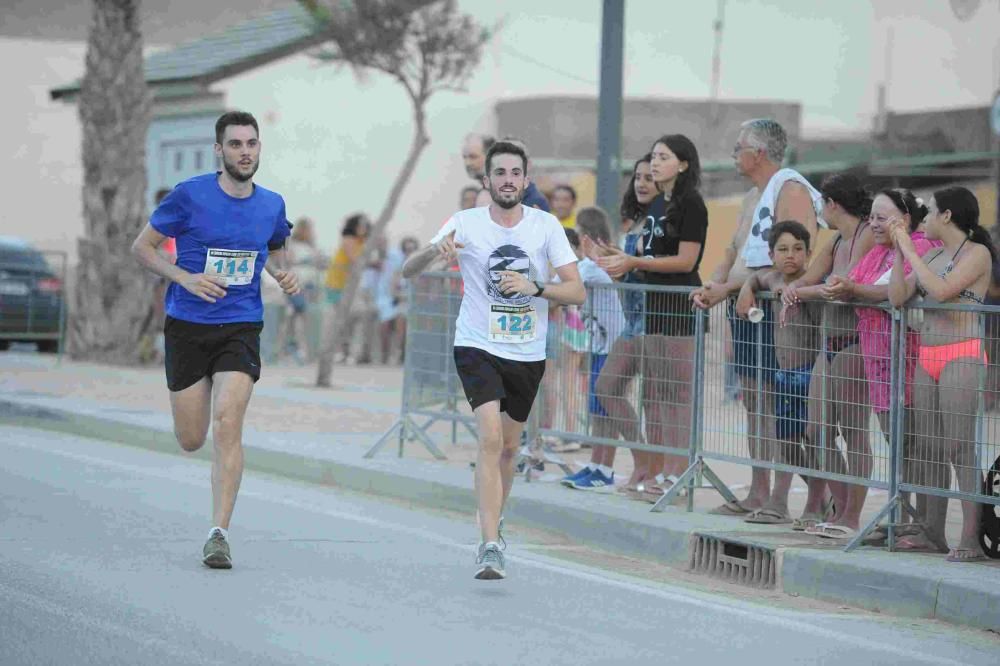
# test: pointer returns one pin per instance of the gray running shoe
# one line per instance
(216, 552)
(490, 561)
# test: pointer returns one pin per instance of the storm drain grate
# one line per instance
(735, 562)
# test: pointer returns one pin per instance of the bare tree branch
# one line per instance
(427, 46)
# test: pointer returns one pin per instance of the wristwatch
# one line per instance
(540, 286)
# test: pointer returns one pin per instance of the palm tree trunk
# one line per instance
(112, 301)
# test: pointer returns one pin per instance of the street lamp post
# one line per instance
(609, 107)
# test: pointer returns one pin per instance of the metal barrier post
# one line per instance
(981, 401)
(697, 465)
(697, 401)
(897, 412)
(823, 414)
(404, 424)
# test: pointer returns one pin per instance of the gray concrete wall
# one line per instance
(566, 127)
(941, 131)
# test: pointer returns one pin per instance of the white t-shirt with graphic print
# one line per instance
(511, 328)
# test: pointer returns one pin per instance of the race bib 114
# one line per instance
(236, 267)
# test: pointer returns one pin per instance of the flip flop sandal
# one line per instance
(805, 522)
(836, 532)
(879, 536)
(956, 555)
(673, 482)
(816, 529)
(768, 517)
(734, 508)
(653, 493)
(913, 544)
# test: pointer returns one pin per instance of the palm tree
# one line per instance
(112, 299)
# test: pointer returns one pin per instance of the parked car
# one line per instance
(31, 297)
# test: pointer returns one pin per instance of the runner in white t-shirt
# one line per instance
(504, 251)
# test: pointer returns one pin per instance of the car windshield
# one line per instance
(22, 258)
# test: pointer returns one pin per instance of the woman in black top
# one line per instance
(672, 245)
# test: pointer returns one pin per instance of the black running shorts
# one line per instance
(486, 377)
(193, 351)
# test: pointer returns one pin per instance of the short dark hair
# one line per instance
(506, 148)
(593, 221)
(161, 195)
(568, 188)
(796, 229)
(572, 237)
(239, 118)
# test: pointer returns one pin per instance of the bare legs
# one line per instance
(668, 366)
(849, 407)
(616, 376)
(499, 440)
(946, 434)
(760, 430)
(221, 400)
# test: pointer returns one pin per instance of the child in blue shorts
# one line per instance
(796, 345)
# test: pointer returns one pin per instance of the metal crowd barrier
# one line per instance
(33, 297)
(636, 367)
(432, 391)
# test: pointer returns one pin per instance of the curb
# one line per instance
(893, 583)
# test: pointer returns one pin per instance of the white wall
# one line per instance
(42, 177)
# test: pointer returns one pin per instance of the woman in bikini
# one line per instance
(673, 242)
(846, 206)
(622, 365)
(951, 359)
(868, 282)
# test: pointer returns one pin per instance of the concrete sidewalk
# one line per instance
(320, 435)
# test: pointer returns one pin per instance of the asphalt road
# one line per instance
(100, 564)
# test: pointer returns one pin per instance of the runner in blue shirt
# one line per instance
(228, 230)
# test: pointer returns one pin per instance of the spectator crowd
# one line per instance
(813, 357)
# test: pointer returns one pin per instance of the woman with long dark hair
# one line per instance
(951, 359)
(846, 207)
(673, 242)
(623, 362)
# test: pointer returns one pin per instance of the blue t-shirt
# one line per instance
(223, 236)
